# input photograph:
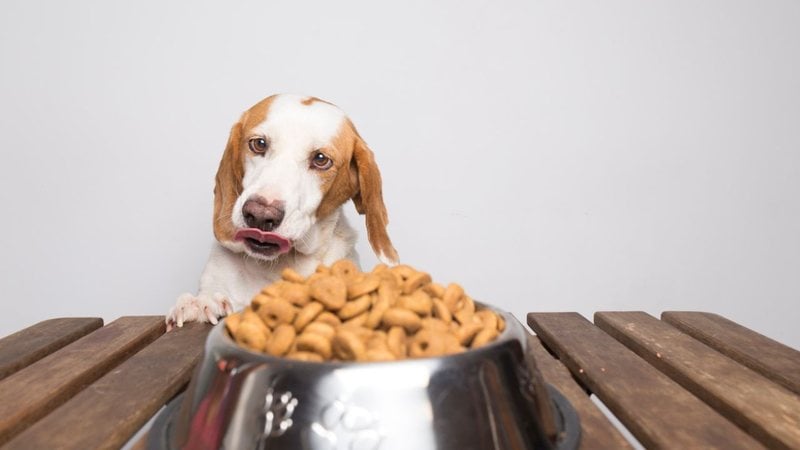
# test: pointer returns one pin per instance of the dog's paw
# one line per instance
(198, 308)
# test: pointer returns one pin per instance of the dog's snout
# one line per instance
(262, 214)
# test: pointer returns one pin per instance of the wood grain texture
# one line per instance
(770, 358)
(34, 391)
(597, 433)
(27, 346)
(658, 411)
(124, 399)
(764, 409)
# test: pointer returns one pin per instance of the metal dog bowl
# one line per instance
(488, 398)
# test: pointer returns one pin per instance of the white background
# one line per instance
(550, 156)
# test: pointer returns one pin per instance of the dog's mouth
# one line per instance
(263, 242)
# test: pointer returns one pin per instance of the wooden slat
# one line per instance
(122, 400)
(772, 359)
(32, 392)
(658, 411)
(27, 346)
(596, 430)
(764, 409)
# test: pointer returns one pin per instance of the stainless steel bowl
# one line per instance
(488, 398)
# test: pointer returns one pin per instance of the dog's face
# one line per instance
(289, 163)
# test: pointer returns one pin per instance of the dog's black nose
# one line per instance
(262, 214)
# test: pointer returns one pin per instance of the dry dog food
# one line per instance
(342, 314)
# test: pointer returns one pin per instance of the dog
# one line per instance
(290, 164)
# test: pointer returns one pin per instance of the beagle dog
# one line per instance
(290, 164)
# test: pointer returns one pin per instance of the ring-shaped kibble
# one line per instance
(429, 323)
(396, 340)
(249, 335)
(402, 317)
(232, 323)
(330, 291)
(426, 343)
(379, 354)
(344, 268)
(366, 285)
(485, 336)
(416, 281)
(275, 311)
(376, 312)
(312, 342)
(305, 356)
(329, 318)
(356, 322)
(307, 314)
(290, 274)
(452, 294)
(347, 346)
(323, 329)
(296, 294)
(467, 332)
(435, 290)
(282, 339)
(355, 307)
(487, 318)
(418, 301)
(441, 311)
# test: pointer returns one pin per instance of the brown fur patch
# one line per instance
(358, 178)
(228, 185)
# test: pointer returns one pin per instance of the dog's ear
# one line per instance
(369, 201)
(228, 185)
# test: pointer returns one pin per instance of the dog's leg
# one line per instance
(224, 288)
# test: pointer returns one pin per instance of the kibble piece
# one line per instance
(339, 313)
(365, 286)
(402, 317)
(320, 328)
(305, 356)
(347, 346)
(275, 311)
(312, 342)
(416, 281)
(344, 268)
(251, 336)
(330, 291)
(452, 294)
(485, 336)
(282, 340)
(290, 274)
(396, 340)
(329, 318)
(355, 307)
(307, 315)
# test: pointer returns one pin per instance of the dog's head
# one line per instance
(289, 163)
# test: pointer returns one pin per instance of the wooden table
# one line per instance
(689, 380)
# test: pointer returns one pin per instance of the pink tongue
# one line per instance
(263, 236)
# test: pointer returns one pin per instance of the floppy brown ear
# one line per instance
(369, 201)
(228, 185)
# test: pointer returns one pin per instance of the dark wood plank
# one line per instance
(597, 433)
(112, 409)
(26, 346)
(770, 358)
(658, 411)
(32, 392)
(764, 409)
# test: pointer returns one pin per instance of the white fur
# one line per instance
(235, 275)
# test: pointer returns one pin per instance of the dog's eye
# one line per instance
(320, 161)
(258, 145)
